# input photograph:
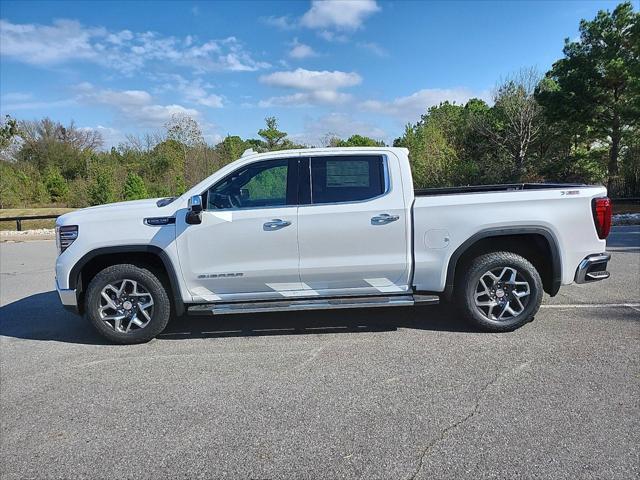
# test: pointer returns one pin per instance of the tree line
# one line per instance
(578, 122)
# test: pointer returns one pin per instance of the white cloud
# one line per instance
(120, 37)
(194, 91)
(340, 125)
(11, 102)
(301, 50)
(330, 36)
(302, 99)
(311, 79)
(330, 18)
(318, 87)
(374, 48)
(409, 108)
(338, 14)
(40, 44)
(283, 23)
(136, 106)
(125, 51)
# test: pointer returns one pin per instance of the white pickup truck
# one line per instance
(324, 229)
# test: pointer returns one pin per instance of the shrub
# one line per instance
(56, 185)
(134, 188)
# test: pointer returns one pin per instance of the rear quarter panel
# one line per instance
(443, 223)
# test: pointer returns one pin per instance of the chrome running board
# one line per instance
(313, 304)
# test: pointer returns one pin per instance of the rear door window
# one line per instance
(350, 178)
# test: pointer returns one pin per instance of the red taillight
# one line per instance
(602, 210)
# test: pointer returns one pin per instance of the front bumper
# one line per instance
(68, 298)
(593, 268)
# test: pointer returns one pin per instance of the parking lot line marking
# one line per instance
(222, 331)
(273, 329)
(594, 305)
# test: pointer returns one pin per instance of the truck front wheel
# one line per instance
(127, 304)
(500, 291)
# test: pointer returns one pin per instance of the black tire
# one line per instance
(469, 286)
(147, 282)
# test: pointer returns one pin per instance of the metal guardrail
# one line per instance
(20, 219)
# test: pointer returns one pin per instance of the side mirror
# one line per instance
(194, 212)
(195, 204)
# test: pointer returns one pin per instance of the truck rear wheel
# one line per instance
(500, 291)
(127, 304)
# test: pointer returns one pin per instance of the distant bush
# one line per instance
(134, 187)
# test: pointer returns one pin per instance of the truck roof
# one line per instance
(250, 153)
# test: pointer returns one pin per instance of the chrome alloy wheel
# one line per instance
(502, 294)
(125, 306)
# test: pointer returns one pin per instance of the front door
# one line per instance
(246, 246)
(353, 233)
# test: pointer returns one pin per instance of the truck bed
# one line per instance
(429, 192)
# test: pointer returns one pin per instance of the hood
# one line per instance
(111, 211)
(146, 203)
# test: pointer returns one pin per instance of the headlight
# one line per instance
(65, 236)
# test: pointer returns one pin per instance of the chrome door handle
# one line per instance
(275, 224)
(383, 219)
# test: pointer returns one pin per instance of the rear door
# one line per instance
(353, 226)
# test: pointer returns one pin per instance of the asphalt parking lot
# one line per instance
(399, 393)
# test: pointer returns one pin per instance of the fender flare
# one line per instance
(556, 263)
(74, 274)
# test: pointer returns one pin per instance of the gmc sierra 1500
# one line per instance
(328, 228)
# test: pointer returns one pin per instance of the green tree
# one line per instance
(101, 190)
(179, 186)
(256, 144)
(273, 137)
(134, 187)
(21, 186)
(230, 149)
(595, 88)
(432, 153)
(78, 196)
(55, 184)
(359, 141)
(186, 132)
(46, 143)
(444, 149)
(289, 144)
(167, 169)
(8, 186)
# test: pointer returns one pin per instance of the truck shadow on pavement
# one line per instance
(41, 317)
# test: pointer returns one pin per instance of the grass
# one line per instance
(30, 224)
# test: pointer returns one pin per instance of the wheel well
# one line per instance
(146, 260)
(534, 247)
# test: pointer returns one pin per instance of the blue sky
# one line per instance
(334, 67)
